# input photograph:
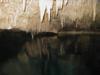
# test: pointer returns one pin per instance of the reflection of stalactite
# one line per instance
(32, 35)
(61, 49)
(39, 46)
(44, 45)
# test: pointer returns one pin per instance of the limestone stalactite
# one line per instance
(42, 6)
(94, 9)
(24, 5)
(45, 5)
(59, 5)
(65, 2)
(49, 7)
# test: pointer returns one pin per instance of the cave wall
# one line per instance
(14, 14)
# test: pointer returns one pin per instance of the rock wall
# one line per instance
(26, 15)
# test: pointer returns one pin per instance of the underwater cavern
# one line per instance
(49, 37)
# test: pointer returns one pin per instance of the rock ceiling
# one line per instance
(46, 15)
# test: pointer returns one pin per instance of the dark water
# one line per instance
(58, 56)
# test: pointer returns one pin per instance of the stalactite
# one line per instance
(62, 19)
(24, 5)
(29, 3)
(59, 5)
(94, 9)
(42, 6)
(15, 19)
(49, 6)
(1, 1)
(4, 1)
(62, 23)
(65, 2)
